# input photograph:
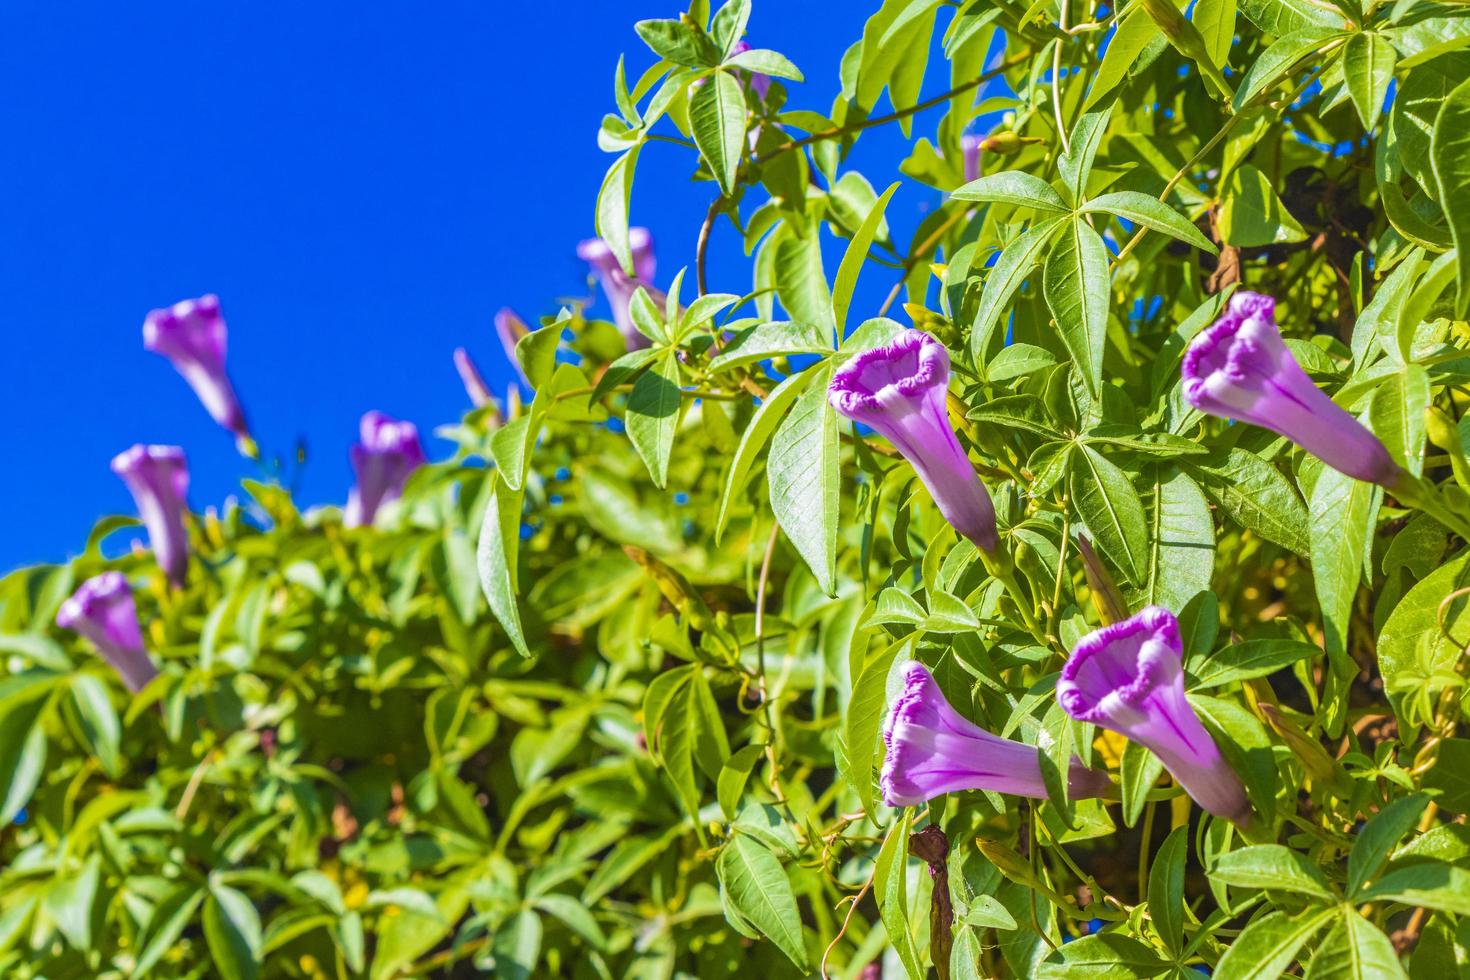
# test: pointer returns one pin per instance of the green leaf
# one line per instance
(801, 283)
(1269, 944)
(1343, 514)
(680, 42)
(1018, 360)
(803, 476)
(1450, 150)
(865, 720)
(496, 559)
(1257, 496)
(1251, 213)
(1355, 949)
(1367, 64)
(1243, 661)
(733, 776)
(1275, 64)
(1275, 867)
(167, 924)
(232, 929)
(1108, 955)
(22, 744)
(1013, 187)
(69, 902)
(1151, 213)
(1004, 278)
(1281, 17)
(613, 200)
(1109, 504)
(777, 338)
(855, 256)
(1077, 288)
(1397, 415)
(1139, 772)
(1421, 638)
(1215, 20)
(1075, 164)
(765, 62)
(1166, 888)
(653, 415)
(890, 887)
(770, 413)
(537, 353)
(100, 725)
(760, 891)
(1380, 836)
(985, 912)
(1181, 559)
(717, 119)
(516, 946)
(1437, 886)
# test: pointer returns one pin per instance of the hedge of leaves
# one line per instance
(602, 695)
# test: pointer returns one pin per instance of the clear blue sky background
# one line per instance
(363, 183)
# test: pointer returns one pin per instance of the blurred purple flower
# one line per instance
(158, 478)
(760, 83)
(474, 384)
(618, 285)
(1128, 678)
(191, 334)
(510, 329)
(102, 610)
(388, 453)
(1240, 369)
(933, 750)
(970, 146)
(900, 391)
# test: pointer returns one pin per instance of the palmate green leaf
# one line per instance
(1005, 277)
(653, 415)
(770, 413)
(1014, 187)
(1151, 213)
(1252, 214)
(1438, 886)
(717, 119)
(1243, 661)
(760, 891)
(1450, 150)
(854, 258)
(1181, 557)
(777, 338)
(232, 930)
(1109, 504)
(1166, 888)
(1076, 285)
(801, 283)
(496, 559)
(1269, 944)
(680, 42)
(1257, 496)
(1367, 63)
(803, 475)
(1355, 949)
(1272, 866)
(1105, 956)
(1379, 837)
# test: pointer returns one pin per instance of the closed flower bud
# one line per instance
(158, 478)
(192, 335)
(102, 610)
(388, 453)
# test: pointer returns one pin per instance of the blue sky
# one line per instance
(363, 183)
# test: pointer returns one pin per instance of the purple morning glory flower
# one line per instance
(510, 329)
(970, 146)
(933, 750)
(102, 610)
(388, 453)
(617, 284)
(158, 478)
(191, 335)
(474, 384)
(1129, 678)
(1240, 369)
(899, 391)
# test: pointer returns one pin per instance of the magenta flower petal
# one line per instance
(970, 146)
(1129, 678)
(932, 750)
(191, 335)
(899, 391)
(618, 285)
(1240, 369)
(469, 374)
(158, 478)
(102, 610)
(510, 329)
(383, 461)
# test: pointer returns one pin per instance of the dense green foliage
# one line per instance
(604, 699)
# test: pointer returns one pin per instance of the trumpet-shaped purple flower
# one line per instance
(388, 453)
(510, 329)
(970, 146)
(191, 335)
(1128, 677)
(469, 373)
(933, 750)
(899, 391)
(158, 478)
(102, 610)
(1240, 369)
(618, 285)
